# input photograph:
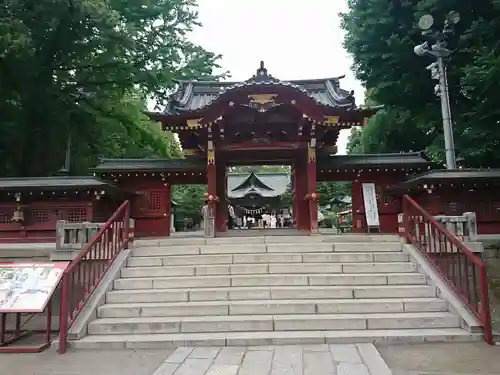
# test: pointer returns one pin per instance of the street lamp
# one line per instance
(438, 72)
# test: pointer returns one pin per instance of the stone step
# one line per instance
(324, 238)
(367, 246)
(187, 260)
(272, 307)
(255, 323)
(256, 248)
(274, 293)
(274, 268)
(270, 280)
(174, 340)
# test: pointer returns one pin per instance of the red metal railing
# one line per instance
(85, 272)
(464, 272)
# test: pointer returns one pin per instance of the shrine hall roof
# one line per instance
(195, 95)
(393, 160)
(57, 183)
(148, 165)
(450, 176)
(263, 184)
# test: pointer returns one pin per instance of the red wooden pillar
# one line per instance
(168, 207)
(312, 196)
(302, 210)
(222, 208)
(294, 196)
(358, 217)
(211, 182)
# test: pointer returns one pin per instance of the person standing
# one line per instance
(204, 214)
(230, 217)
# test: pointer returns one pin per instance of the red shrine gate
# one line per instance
(260, 121)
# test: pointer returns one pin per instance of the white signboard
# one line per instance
(371, 208)
(27, 287)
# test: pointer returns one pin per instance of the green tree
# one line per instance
(332, 189)
(84, 68)
(380, 35)
(190, 199)
(354, 145)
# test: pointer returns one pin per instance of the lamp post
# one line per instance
(439, 51)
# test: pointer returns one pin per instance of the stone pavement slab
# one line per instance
(348, 359)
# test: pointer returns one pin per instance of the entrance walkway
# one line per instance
(414, 359)
(360, 359)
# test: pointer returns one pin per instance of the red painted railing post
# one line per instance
(485, 305)
(64, 315)
(126, 226)
(449, 250)
(84, 274)
(406, 220)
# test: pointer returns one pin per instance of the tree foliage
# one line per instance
(381, 34)
(189, 200)
(332, 189)
(85, 69)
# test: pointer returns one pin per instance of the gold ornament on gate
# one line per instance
(311, 154)
(211, 157)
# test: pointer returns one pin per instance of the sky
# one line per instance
(295, 39)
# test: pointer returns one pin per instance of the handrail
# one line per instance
(84, 273)
(449, 256)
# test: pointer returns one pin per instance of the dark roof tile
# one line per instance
(195, 95)
(149, 165)
(407, 159)
(59, 183)
(276, 183)
(450, 176)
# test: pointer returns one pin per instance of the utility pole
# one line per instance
(438, 72)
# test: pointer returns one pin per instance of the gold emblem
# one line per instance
(332, 120)
(311, 154)
(262, 99)
(211, 157)
(193, 123)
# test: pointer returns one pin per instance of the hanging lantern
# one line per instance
(18, 216)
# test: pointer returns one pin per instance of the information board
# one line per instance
(371, 207)
(27, 287)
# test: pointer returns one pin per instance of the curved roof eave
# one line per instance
(342, 99)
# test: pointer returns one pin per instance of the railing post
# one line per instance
(471, 225)
(64, 314)
(406, 219)
(126, 224)
(485, 305)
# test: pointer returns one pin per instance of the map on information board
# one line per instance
(27, 287)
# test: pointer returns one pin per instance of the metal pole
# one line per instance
(449, 143)
(67, 159)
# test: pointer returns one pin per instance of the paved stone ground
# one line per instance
(361, 359)
(442, 359)
(403, 359)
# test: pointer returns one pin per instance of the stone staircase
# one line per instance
(270, 290)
